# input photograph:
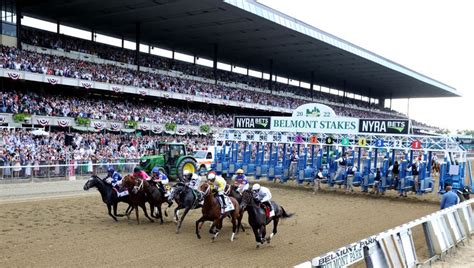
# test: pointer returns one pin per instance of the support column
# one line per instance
(57, 26)
(344, 94)
(18, 24)
(92, 35)
(270, 81)
(137, 45)
(123, 42)
(248, 71)
(194, 60)
(311, 86)
(390, 101)
(214, 63)
(381, 103)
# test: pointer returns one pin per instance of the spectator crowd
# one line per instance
(20, 148)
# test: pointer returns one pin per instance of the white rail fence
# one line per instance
(62, 170)
(443, 231)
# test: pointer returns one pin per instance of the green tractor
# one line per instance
(171, 159)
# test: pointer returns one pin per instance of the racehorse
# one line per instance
(109, 195)
(211, 211)
(258, 219)
(138, 196)
(184, 198)
(155, 198)
(231, 190)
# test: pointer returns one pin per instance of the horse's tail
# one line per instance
(284, 214)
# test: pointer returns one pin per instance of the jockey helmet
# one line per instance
(256, 187)
(211, 176)
(136, 169)
(240, 171)
(110, 170)
(155, 170)
(187, 174)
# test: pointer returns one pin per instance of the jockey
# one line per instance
(161, 180)
(218, 183)
(113, 177)
(187, 176)
(195, 182)
(138, 173)
(263, 195)
(240, 181)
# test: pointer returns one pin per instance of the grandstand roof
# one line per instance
(247, 34)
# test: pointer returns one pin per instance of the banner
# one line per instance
(314, 110)
(115, 126)
(142, 92)
(116, 89)
(85, 84)
(181, 130)
(252, 122)
(384, 126)
(335, 125)
(64, 123)
(42, 121)
(98, 125)
(53, 80)
(13, 75)
(156, 129)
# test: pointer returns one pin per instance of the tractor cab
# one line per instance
(171, 159)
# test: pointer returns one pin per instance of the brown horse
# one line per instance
(211, 211)
(138, 196)
(156, 198)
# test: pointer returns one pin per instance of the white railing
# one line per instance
(443, 231)
(63, 170)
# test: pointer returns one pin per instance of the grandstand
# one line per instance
(179, 73)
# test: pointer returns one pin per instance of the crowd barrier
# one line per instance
(443, 231)
(63, 170)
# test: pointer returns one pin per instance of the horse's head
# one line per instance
(132, 183)
(205, 188)
(93, 181)
(247, 199)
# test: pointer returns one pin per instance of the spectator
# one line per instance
(450, 198)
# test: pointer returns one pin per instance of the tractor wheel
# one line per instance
(187, 164)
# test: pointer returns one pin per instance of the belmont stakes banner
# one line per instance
(319, 118)
(53, 80)
(43, 121)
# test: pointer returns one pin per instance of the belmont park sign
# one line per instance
(319, 118)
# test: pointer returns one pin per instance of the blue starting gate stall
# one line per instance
(315, 139)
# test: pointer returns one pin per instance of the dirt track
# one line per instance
(77, 232)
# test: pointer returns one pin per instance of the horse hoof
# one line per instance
(198, 236)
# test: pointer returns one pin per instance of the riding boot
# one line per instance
(223, 205)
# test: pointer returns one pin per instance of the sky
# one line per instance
(432, 37)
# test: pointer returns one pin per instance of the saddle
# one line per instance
(120, 191)
(269, 212)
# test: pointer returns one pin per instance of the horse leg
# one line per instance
(258, 238)
(176, 214)
(136, 213)
(234, 227)
(152, 211)
(109, 208)
(275, 225)
(181, 220)
(143, 206)
(263, 233)
(198, 226)
(159, 213)
(239, 222)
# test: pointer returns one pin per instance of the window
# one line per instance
(209, 155)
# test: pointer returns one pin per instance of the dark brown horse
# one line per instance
(138, 197)
(156, 198)
(211, 211)
(258, 218)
